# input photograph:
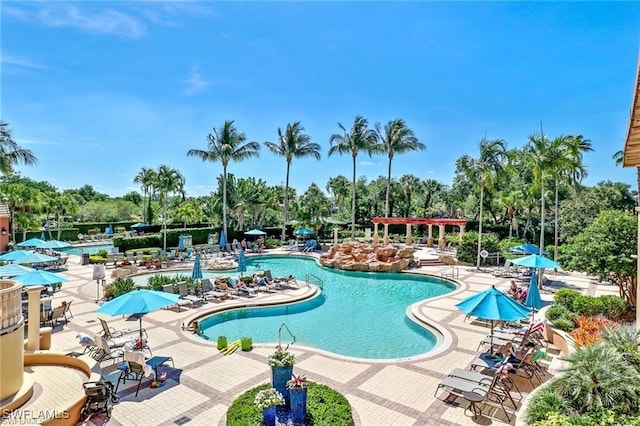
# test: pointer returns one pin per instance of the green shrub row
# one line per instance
(612, 307)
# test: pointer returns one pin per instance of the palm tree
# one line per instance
(339, 187)
(146, 177)
(541, 154)
(483, 172)
(226, 144)
(11, 153)
(618, 157)
(360, 137)
(294, 143)
(397, 138)
(169, 181)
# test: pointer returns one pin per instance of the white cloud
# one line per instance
(36, 142)
(370, 163)
(21, 62)
(195, 83)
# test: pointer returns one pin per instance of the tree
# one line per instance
(146, 178)
(294, 143)
(168, 181)
(226, 144)
(359, 138)
(618, 157)
(12, 154)
(339, 187)
(397, 138)
(483, 172)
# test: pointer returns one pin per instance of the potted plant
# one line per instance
(222, 342)
(268, 399)
(298, 396)
(246, 343)
(281, 362)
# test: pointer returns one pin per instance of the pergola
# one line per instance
(409, 221)
(631, 158)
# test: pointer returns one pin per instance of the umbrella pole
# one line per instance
(140, 318)
(491, 350)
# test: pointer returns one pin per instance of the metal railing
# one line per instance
(317, 281)
(453, 273)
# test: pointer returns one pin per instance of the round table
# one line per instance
(474, 399)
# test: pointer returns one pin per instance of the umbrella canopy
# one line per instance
(304, 231)
(31, 242)
(13, 270)
(533, 300)
(535, 261)
(255, 232)
(139, 225)
(223, 238)
(36, 277)
(37, 258)
(527, 248)
(242, 262)
(138, 302)
(15, 255)
(196, 274)
(54, 244)
(493, 305)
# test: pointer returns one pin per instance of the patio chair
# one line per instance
(208, 291)
(183, 290)
(108, 348)
(57, 315)
(67, 310)
(112, 333)
(168, 288)
(293, 246)
(111, 260)
(134, 368)
(62, 264)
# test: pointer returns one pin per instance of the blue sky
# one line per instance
(99, 90)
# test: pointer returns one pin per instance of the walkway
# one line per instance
(204, 383)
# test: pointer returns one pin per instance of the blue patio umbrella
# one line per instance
(36, 277)
(255, 232)
(304, 231)
(15, 255)
(42, 237)
(494, 305)
(181, 242)
(223, 239)
(526, 248)
(533, 300)
(13, 270)
(110, 230)
(242, 262)
(37, 258)
(196, 274)
(31, 242)
(138, 302)
(54, 244)
(139, 225)
(535, 261)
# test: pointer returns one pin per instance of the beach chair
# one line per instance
(135, 368)
(208, 291)
(111, 333)
(168, 288)
(183, 290)
(293, 246)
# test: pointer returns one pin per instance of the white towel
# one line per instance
(138, 358)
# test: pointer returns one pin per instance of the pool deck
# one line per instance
(204, 383)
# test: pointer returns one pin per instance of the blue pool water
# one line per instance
(358, 314)
(93, 249)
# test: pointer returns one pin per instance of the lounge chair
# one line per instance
(109, 348)
(168, 288)
(293, 246)
(67, 310)
(135, 369)
(183, 290)
(57, 315)
(112, 333)
(209, 293)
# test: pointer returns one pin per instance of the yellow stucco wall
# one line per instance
(11, 362)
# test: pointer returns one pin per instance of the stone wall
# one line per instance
(355, 256)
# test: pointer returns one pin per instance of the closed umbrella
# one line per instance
(138, 302)
(223, 239)
(15, 255)
(242, 262)
(42, 237)
(181, 243)
(533, 300)
(492, 304)
(196, 274)
(31, 242)
(13, 270)
(36, 277)
(110, 230)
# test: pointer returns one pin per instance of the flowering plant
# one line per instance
(268, 398)
(297, 382)
(281, 358)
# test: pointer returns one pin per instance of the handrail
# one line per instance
(280, 336)
(454, 273)
(316, 280)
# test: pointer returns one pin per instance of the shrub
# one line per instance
(557, 311)
(589, 330)
(613, 306)
(119, 287)
(565, 297)
(544, 403)
(564, 324)
(97, 259)
(325, 406)
(467, 250)
(587, 305)
(102, 253)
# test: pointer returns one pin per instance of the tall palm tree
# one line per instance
(11, 153)
(396, 138)
(294, 143)
(541, 154)
(483, 172)
(339, 187)
(360, 137)
(618, 157)
(146, 177)
(169, 181)
(226, 144)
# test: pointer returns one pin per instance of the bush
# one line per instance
(97, 259)
(613, 306)
(544, 403)
(588, 306)
(564, 324)
(565, 297)
(119, 287)
(325, 407)
(467, 250)
(557, 311)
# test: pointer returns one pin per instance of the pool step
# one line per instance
(431, 262)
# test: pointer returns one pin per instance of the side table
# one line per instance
(474, 399)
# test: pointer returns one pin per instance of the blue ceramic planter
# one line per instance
(298, 404)
(269, 416)
(279, 378)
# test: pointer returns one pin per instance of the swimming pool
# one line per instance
(91, 249)
(358, 314)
